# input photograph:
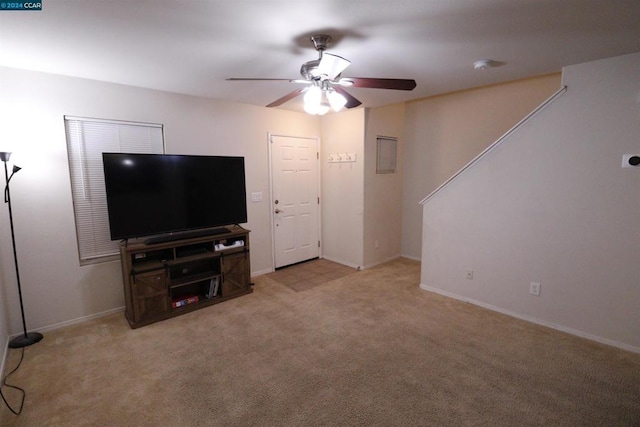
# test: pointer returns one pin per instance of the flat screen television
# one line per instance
(160, 194)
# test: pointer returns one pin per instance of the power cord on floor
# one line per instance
(4, 384)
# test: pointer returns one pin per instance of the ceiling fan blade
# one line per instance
(397, 84)
(244, 79)
(351, 100)
(332, 65)
(287, 97)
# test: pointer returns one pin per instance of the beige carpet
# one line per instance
(370, 349)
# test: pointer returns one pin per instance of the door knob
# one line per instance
(278, 211)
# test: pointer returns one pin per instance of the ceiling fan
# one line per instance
(324, 85)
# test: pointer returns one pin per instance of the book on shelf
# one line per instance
(214, 285)
(185, 301)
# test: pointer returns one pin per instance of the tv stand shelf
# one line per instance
(168, 278)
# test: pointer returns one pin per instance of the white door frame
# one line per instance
(271, 210)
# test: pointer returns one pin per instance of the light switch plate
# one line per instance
(626, 160)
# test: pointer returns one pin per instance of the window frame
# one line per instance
(87, 138)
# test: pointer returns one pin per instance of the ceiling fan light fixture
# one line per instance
(323, 108)
(336, 100)
(318, 100)
(311, 109)
(313, 99)
(313, 95)
(331, 66)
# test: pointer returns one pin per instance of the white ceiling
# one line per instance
(191, 47)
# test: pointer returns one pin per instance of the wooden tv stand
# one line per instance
(170, 278)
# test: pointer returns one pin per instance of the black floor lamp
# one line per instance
(32, 337)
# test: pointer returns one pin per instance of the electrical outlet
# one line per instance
(470, 274)
(534, 288)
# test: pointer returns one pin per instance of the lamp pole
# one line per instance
(30, 338)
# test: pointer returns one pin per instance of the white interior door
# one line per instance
(294, 199)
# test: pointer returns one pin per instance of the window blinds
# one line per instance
(87, 139)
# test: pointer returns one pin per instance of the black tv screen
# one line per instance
(154, 194)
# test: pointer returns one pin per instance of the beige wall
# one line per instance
(56, 288)
(444, 133)
(342, 190)
(382, 192)
(434, 143)
(552, 205)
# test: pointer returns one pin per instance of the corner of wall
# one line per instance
(383, 192)
(342, 190)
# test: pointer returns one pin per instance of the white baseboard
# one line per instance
(381, 262)
(415, 258)
(4, 357)
(339, 261)
(537, 321)
(76, 321)
(261, 272)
